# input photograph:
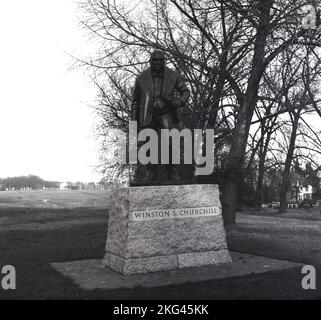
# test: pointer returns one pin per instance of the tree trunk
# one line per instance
(262, 156)
(287, 168)
(229, 201)
(241, 131)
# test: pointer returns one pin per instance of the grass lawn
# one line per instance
(38, 228)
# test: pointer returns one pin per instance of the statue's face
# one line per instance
(157, 62)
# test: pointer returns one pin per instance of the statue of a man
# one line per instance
(158, 93)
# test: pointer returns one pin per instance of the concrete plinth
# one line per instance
(159, 228)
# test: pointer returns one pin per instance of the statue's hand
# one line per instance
(163, 103)
(159, 103)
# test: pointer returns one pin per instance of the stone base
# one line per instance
(163, 263)
(158, 228)
(89, 275)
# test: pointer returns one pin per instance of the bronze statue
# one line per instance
(158, 93)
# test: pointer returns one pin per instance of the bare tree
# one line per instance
(223, 49)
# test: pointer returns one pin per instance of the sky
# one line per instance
(46, 122)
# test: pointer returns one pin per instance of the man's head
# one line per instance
(157, 60)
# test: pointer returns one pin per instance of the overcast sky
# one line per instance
(46, 125)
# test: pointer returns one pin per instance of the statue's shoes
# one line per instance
(173, 175)
(150, 176)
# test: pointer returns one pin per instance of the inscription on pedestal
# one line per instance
(158, 228)
(174, 213)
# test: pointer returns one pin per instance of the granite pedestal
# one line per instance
(157, 228)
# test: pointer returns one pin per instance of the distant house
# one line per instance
(305, 192)
(90, 186)
(300, 192)
(64, 186)
(71, 186)
(100, 186)
(77, 186)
